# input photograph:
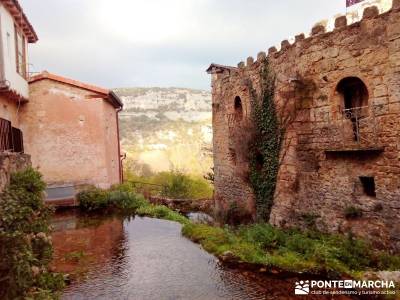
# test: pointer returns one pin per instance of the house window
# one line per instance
(20, 52)
(368, 184)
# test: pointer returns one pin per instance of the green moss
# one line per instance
(161, 212)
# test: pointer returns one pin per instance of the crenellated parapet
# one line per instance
(342, 22)
(337, 94)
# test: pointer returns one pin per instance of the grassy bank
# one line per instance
(290, 250)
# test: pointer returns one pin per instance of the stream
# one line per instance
(143, 258)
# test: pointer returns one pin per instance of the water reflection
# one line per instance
(143, 258)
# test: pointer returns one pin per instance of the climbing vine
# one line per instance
(266, 144)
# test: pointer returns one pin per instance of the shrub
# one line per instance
(352, 212)
(119, 197)
(174, 184)
(125, 201)
(25, 248)
(93, 199)
(177, 186)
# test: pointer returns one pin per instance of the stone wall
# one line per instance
(10, 163)
(332, 163)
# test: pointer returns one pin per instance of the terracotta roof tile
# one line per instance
(103, 93)
(21, 19)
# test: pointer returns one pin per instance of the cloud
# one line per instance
(161, 43)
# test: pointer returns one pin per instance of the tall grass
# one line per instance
(173, 184)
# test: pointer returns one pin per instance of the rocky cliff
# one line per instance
(166, 128)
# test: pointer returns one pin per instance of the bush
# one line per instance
(352, 212)
(25, 247)
(119, 197)
(175, 184)
(93, 199)
(126, 201)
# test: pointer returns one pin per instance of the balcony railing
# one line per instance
(11, 138)
(353, 128)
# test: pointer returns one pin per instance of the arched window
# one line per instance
(354, 96)
(354, 92)
(238, 109)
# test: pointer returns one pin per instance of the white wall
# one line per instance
(8, 54)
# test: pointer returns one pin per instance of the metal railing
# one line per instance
(352, 128)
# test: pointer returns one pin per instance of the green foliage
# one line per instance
(174, 184)
(266, 145)
(352, 212)
(210, 176)
(120, 197)
(25, 247)
(161, 212)
(292, 250)
(92, 199)
(309, 219)
(261, 243)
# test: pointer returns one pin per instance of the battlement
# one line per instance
(337, 97)
(342, 22)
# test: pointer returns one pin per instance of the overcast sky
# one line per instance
(132, 43)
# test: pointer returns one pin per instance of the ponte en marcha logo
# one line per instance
(345, 287)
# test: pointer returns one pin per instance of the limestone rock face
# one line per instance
(340, 161)
(167, 128)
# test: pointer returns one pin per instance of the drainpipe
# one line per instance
(121, 170)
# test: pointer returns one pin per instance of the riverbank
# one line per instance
(145, 258)
(276, 250)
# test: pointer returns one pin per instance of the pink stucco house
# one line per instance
(72, 133)
(68, 129)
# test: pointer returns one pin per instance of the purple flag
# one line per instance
(352, 2)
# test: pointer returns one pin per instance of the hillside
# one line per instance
(166, 128)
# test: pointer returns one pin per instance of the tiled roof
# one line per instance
(217, 68)
(103, 93)
(21, 19)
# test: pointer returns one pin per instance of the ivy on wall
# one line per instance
(266, 145)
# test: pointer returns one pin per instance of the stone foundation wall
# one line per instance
(322, 165)
(10, 163)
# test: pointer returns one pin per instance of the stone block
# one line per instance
(370, 12)
(341, 22)
(318, 29)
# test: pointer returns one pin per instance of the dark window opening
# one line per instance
(355, 101)
(18, 141)
(368, 184)
(11, 138)
(238, 109)
(354, 92)
(259, 161)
